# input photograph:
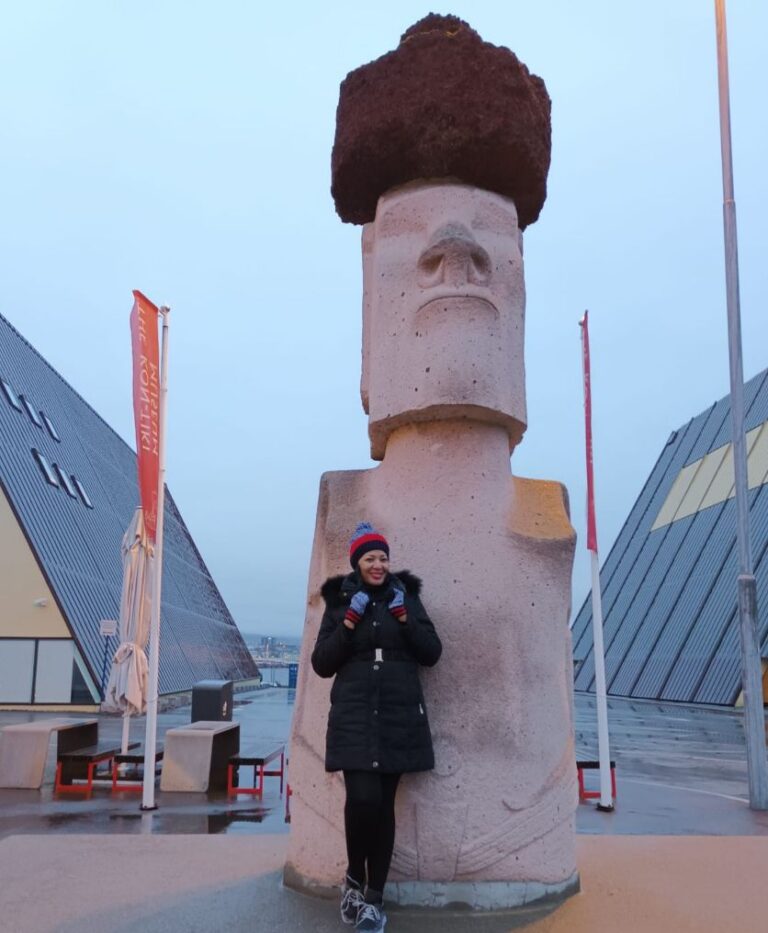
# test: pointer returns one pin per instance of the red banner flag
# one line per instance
(591, 524)
(146, 404)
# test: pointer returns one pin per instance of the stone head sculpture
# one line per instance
(442, 151)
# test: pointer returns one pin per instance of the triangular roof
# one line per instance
(669, 583)
(78, 547)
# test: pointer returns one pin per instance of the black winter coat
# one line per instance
(378, 718)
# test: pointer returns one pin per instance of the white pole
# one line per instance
(150, 740)
(751, 679)
(126, 731)
(603, 745)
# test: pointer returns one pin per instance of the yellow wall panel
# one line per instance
(22, 585)
(757, 462)
(721, 487)
(702, 481)
(710, 480)
(675, 495)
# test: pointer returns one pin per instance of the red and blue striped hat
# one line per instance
(365, 539)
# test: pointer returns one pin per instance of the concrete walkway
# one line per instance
(204, 884)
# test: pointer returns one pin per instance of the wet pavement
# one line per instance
(680, 771)
(264, 717)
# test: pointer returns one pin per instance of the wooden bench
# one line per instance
(581, 767)
(133, 757)
(258, 761)
(80, 764)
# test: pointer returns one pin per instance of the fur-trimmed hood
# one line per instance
(337, 591)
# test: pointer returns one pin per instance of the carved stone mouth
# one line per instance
(452, 305)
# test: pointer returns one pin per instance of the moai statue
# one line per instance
(442, 151)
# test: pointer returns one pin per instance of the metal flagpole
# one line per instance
(150, 740)
(603, 744)
(754, 717)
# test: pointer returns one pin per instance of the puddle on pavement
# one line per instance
(235, 822)
(225, 822)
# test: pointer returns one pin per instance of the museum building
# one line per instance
(669, 583)
(68, 490)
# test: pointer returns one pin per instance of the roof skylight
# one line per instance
(45, 467)
(11, 395)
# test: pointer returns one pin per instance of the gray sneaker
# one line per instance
(351, 900)
(370, 919)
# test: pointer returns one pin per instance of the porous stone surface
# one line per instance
(495, 553)
(444, 104)
(443, 311)
(443, 383)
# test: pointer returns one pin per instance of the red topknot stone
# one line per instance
(444, 104)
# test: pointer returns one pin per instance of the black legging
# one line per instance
(369, 823)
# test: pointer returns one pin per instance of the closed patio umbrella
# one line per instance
(127, 686)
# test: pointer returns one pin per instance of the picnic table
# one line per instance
(24, 747)
(197, 756)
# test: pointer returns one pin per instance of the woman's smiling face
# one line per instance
(373, 567)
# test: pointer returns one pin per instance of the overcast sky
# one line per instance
(183, 148)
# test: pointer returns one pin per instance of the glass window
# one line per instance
(49, 425)
(53, 676)
(11, 395)
(17, 663)
(66, 482)
(83, 493)
(31, 409)
(45, 467)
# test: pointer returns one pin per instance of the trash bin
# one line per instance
(212, 701)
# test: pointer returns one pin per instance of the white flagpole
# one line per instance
(754, 717)
(150, 740)
(603, 744)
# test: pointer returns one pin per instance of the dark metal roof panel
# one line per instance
(662, 592)
(582, 631)
(756, 401)
(78, 548)
(712, 524)
(669, 596)
(635, 552)
(721, 682)
(703, 639)
(641, 590)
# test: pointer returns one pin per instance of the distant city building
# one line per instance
(267, 646)
(669, 582)
(68, 490)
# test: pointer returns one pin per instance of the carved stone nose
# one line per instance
(453, 257)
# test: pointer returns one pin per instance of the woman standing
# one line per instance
(374, 635)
